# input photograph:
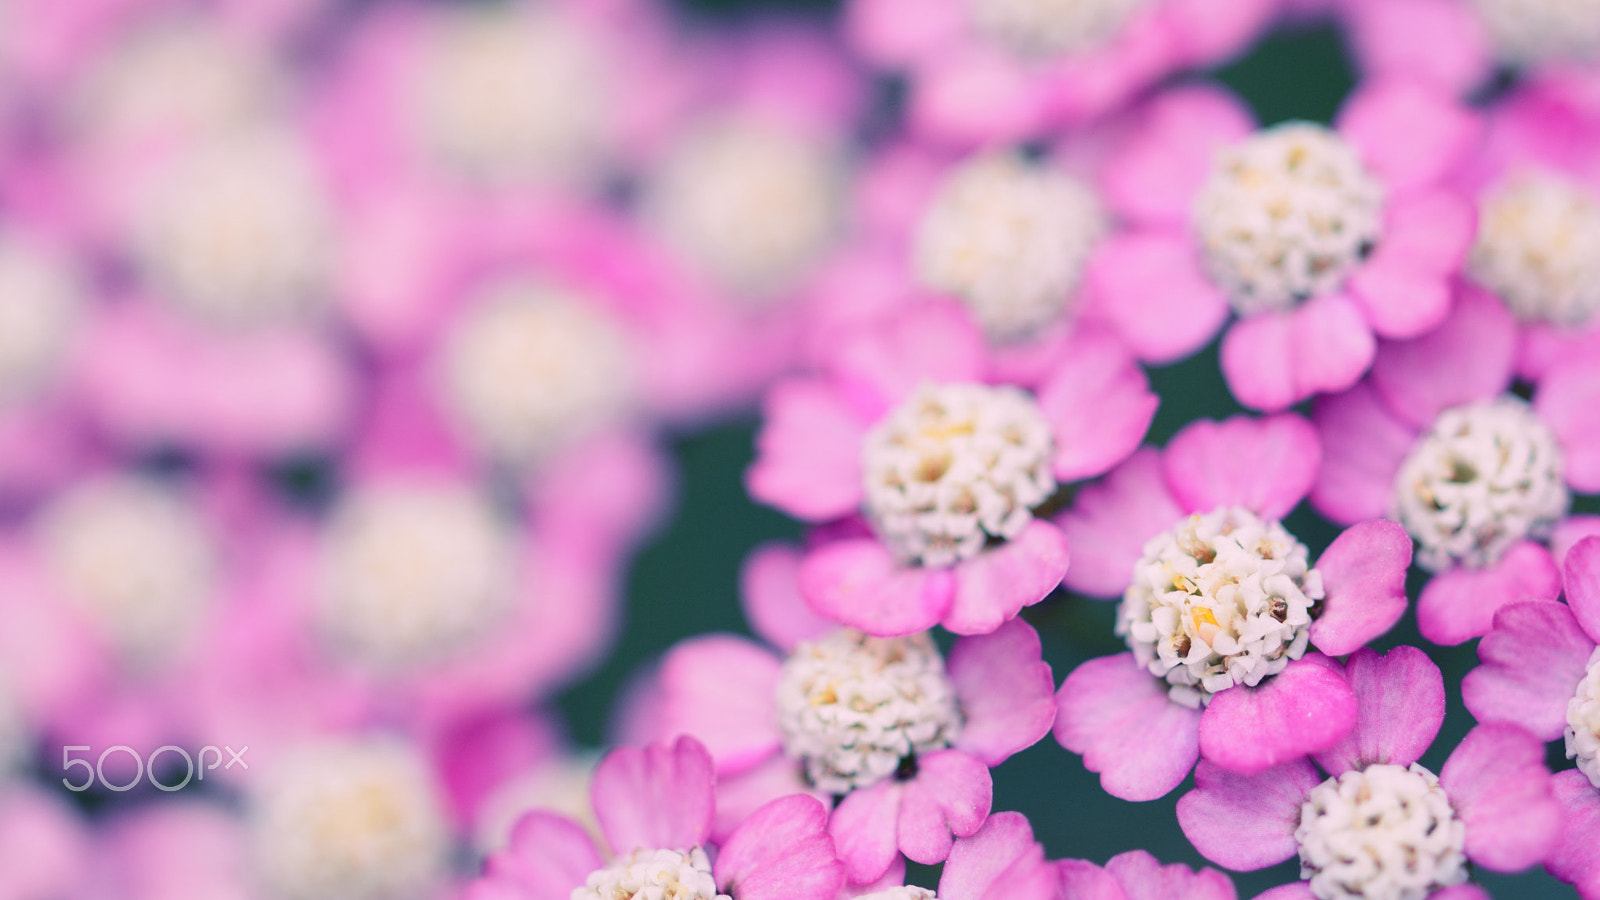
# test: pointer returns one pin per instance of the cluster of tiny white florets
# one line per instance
(512, 94)
(653, 875)
(135, 558)
(1385, 832)
(1286, 215)
(1486, 476)
(750, 203)
(1538, 247)
(240, 233)
(413, 574)
(908, 892)
(1583, 722)
(40, 304)
(1010, 239)
(954, 467)
(532, 367)
(1223, 599)
(352, 820)
(1527, 32)
(1044, 28)
(853, 707)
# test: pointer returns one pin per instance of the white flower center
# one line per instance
(350, 821)
(531, 368)
(1385, 832)
(136, 559)
(908, 892)
(1286, 215)
(654, 875)
(954, 467)
(505, 95)
(240, 233)
(40, 304)
(750, 204)
(1538, 248)
(1533, 31)
(1583, 722)
(1488, 475)
(1223, 599)
(1045, 28)
(414, 574)
(1011, 240)
(854, 707)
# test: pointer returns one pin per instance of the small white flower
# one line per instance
(1527, 32)
(1583, 722)
(654, 875)
(1044, 28)
(1538, 247)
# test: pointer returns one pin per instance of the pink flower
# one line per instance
(1417, 441)
(913, 771)
(894, 428)
(989, 71)
(999, 859)
(1194, 183)
(1491, 803)
(1220, 606)
(1541, 670)
(1136, 875)
(655, 806)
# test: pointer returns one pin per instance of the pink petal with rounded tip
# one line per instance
(1461, 892)
(808, 452)
(948, 798)
(655, 797)
(935, 343)
(548, 856)
(1401, 706)
(1148, 286)
(1498, 785)
(1455, 59)
(1466, 358)
(970, 94)
(1576, 857)
(720, 689)
(863, 830)
(1099, 406)
(1246, 822)
(1272, 360)
(1080, 879)
(1407, 134)
(1111, 520)
(1567, 534)
(1398, 301)
(1363, 445)
(1459, 605)
(1532, 660)
(1265, 465)
(1005, 690)
(1581, 571)
(781, 852)
(1143, 877)
(1431, 231)
(1301, 710)
(769, 590)
(1364, 578)
(1568, 396)
(856, 582)
(1119, 718)
(1001, 859)
(1154, 177)
(995, 585)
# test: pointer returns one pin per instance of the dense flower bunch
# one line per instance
(352, 354)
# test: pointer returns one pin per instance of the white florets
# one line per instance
(1385, 832)
(1223, 599)
(908, 892)
(40, 304)
(1583, 722)
(1486, 476)
(1526, 32)
(654, 875)
(531, 368)
(853, 707)
(513, 94)
(414, 574)
(136, 559)
(240, 232)
(954, 467)
(1044, 28)
(1011, 240)
(751, 204)
(357, 820)
(1287, 215)
(1538, 248)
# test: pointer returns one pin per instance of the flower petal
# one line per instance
(1154, 177)
(547, 857)
(1581, 571)
(1408, 134)
(1143, 877)
(1364, 577)
(1111, 520)
(1081, 879)
(1005, 689)
(1397, 300)
(949, 798)
(1274, 359)
(863, 830)
(1499, 786)
(655, 796)
(808, 452)
(1246, 822)
(1118, 716)
(719, 688)
(1532, 660)
(995, 585)
(1460, 604)
(1265, 465)
(1363, 445)
(1468, 357)
(781, 852)
(932, 342)
(1303, 709)
(769, 588)
(1400, 697)
(1566, 401)
(1000, 860)
(1296, 890)
(1099, 405)
(857, 582)
(1150, 289)
(1576, 857)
